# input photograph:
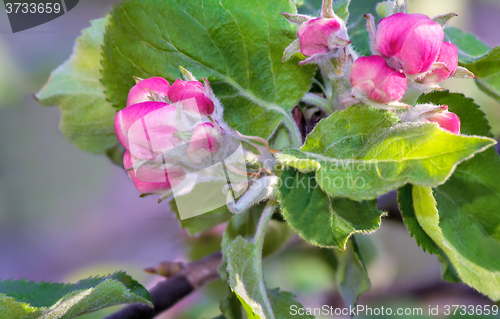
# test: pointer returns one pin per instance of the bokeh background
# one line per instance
(66, 215)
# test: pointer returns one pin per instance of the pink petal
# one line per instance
(373, 78)
(146, 129)
(141, 91)
(314, 35)
(449, 56)
(446, 120)
(182, 91)
(149, 180)
(204, 141)
(413, 39)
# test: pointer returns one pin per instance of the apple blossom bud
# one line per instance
(141, 92)
(374, 79)
(147, 129)
(446, 120)
(204, 141)
(411, 42)
(150, 179)
(448, 56)
(184, 91)
(316, 35)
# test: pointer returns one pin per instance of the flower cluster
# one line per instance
(163, 128)
(408, 51)
(407, 47)
(412, 46)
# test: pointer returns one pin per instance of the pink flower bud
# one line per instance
(448, 55)
(374, 79)
(152, 180)
(316, 35)
(141, 92)
(446, 120)
(147, 129)
(204, 141)
(187, 90)
(411, 41)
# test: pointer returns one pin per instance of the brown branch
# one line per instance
(168, 292)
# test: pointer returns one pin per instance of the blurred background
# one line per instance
(66, 215)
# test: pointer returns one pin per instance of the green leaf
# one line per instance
(10, 308)
(201, 223)
(472, 250)
(363, 152)
(320, 219)
(475, 124)
(245, 225)
(236, 44)
(469, 47)
(466, 207)
(231, 307)
(281, 139)
(385, 9)
(341, 8)
(487, 71)
(352, 277)
(282, 302)
(423, 240)
(244, 267)
(53, 301)
(87, 119)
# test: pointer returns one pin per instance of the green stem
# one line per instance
(295, 136)
(317, 100)
(267, 213)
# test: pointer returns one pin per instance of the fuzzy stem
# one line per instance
(295, 135)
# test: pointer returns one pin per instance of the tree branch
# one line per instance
(168, 292)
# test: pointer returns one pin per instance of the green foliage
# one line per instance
(487, 71)
(472, 250)
(469, 47)
(231, 307)
(461, 217)
(245, 225)
(237, 45)
(87, 119)
(23, 299)
(320, 219)
(385, 9)
(201, 223)
(363, 152)
(341, 8)
(356, 24)
(244, 270)
(423, 240)
(352, 277)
